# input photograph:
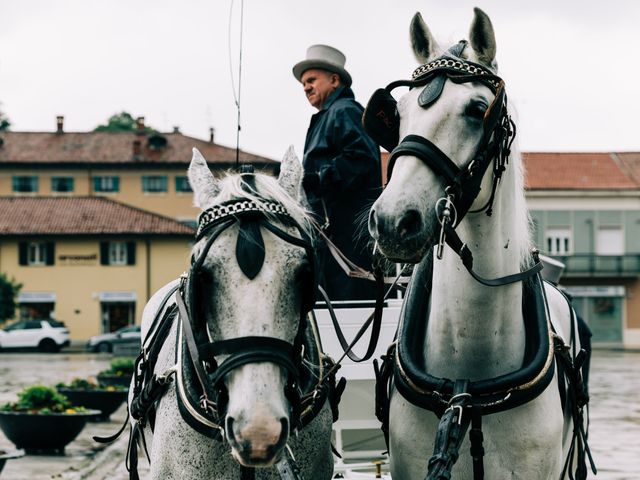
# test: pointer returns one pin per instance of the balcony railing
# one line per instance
(586, 264)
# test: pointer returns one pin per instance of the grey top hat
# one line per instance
(325, 58)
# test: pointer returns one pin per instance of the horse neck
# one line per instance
(477, 331)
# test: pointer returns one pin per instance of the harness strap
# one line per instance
(192, 347)
(375, 318)
(476, 437)
(453, 240)
(451, 429)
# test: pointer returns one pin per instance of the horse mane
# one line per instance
(523, 239)
(265, 188)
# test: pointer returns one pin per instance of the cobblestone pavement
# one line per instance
(614, 431)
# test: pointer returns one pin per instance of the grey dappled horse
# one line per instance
(249, 299)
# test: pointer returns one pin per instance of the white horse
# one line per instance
(473, 331)
(249, 299)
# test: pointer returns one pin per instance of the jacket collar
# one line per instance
(341, 92)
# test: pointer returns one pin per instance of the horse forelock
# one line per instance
(264, 189)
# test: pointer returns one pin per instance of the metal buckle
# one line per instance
(444, 218)
(287, 466)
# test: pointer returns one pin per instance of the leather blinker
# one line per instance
(432, 91)
(381, 119)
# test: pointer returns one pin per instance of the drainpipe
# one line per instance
(148, 245)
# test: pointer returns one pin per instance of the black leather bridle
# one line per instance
(382, 121)
(250, 216)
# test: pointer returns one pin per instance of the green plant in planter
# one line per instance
(122, 367)
(43, 420)
(87, 384)
(41, 399)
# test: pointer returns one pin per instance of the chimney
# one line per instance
(140, 126)
(60, 123)
(176, 129)
(212, 132)
(137, 149)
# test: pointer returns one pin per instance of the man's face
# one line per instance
(318, 85)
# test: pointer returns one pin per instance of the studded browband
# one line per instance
(215, 214)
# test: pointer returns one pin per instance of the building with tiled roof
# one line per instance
(90, 262)
(140, 168)
(93, 223)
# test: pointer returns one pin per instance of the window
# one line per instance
(558, 241)
(36, 253)
(182, 184)
(117, 253)
(106, 184)
(62, 184)
(25, 184)
(609, 241)
(154, 183)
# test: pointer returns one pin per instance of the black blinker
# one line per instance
(432, 91)
(381, 120)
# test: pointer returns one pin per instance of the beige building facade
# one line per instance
(93, 223)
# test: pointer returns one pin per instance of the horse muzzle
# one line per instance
(402, 237)
(258, 443)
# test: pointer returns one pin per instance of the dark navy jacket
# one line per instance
(348, 163)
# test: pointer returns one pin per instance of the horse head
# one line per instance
(251, 279)
(447, 121)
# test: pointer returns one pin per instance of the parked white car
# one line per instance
(45, 335)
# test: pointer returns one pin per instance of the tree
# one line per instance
(121, 122)
(8, 292)
(4, 121)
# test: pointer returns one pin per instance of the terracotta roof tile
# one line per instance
(575, 171)
(111, 148)
(82, 216)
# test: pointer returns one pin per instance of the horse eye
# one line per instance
(206, 276)
(476, 109)
(303, 273)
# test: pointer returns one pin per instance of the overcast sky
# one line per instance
(571, 66)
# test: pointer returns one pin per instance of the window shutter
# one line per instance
(104, 253)
(51, 253)
(131, 253)
(22, 253)
(116, 184)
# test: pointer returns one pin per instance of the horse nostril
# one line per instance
(373, 223)
(409, 224)
(228, 428)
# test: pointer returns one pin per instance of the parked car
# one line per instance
(45, 335)
(129, 335)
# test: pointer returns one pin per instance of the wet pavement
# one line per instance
(614, 433)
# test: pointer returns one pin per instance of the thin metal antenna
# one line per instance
(237, 98)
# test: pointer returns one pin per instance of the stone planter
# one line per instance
(8, 455)
(109, 380)
(107, 401)
(43, 433)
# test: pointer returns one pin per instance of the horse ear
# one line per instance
(290, 178)
(423, 43)
(204, 185)
(482, 38)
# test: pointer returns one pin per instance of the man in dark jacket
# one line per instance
(342, 168)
